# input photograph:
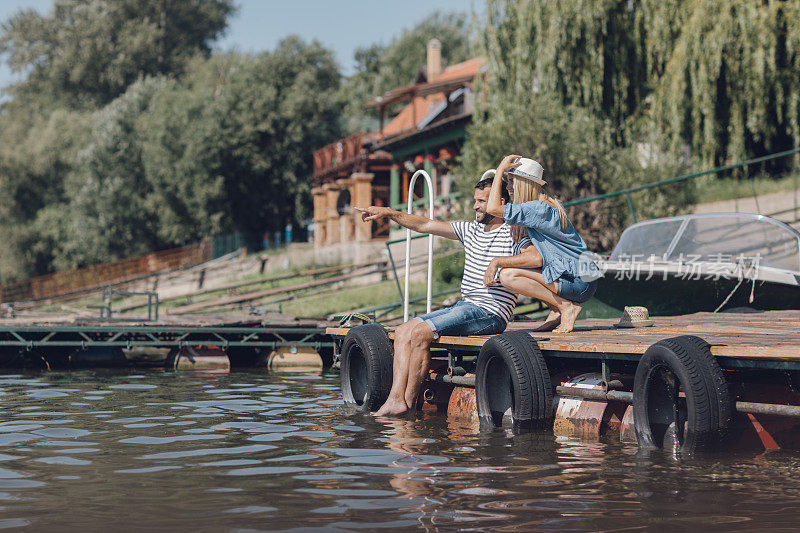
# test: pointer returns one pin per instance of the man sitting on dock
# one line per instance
(482, 310)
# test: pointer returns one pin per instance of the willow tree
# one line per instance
(722, 78)
(729, 85)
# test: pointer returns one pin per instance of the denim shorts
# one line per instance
(463, 319)
(575, 289)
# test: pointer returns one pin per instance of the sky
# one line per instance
(341, 25)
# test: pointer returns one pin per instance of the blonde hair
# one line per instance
(526, 191)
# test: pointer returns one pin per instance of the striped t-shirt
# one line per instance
(480, 247)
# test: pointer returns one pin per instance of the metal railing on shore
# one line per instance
(716, 170)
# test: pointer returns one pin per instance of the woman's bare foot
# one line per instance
(569, 313)
(392, 408)
(552, 321)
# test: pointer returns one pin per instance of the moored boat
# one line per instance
(702, 262)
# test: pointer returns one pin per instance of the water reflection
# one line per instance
(253, 451)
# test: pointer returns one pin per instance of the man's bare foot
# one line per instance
(392, 408)
(552, 320)
(569, 313)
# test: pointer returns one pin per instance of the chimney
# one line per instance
(434, 60)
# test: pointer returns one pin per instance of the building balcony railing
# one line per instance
(341, 154)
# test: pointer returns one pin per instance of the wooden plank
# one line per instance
(764, 352)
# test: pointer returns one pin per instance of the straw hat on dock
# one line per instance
(635, 317)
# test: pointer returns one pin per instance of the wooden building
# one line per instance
(374, 168)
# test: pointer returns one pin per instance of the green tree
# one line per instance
(108, 215)
(87, 52)
(38, 147)
(718, 77)
(729, 85)
(253, 139)
(227, 148)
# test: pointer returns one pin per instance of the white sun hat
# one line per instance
(529, 169)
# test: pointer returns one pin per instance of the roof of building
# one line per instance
(452, 76)
(426, 97)
(411, 114)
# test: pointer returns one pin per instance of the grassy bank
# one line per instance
(346, 299)
(710, 189)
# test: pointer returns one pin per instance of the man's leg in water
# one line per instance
(395, 403)
(419, 361)
(412, 341)
(530, 282)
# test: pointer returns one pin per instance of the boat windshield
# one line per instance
(721, 238)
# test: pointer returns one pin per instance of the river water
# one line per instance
(148, 450)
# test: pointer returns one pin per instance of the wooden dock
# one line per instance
(54, 333)
(701, 382)
(769, 339)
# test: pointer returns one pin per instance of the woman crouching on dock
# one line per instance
(549, 269)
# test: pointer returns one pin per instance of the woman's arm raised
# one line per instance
(494, 206)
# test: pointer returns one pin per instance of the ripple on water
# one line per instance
(47, 393)
(62, 460)
(8, 439)
(146, 469)
(10, 474)
(10, 428)
(78, 450)
(65, 443)
(253, 509)
(136, 419)
(50, 413)
(7, 523)
(313, 434)
(268, 437)
(62, 433)
(251, 427)
(210, 451)
(169, 440)
(267, 470)
(231, 462)
(8, 484)
(271, 399)
(326, 477)
(297, 457)
(342, 492)
(27, 382)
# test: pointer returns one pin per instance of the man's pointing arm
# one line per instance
(412, 222)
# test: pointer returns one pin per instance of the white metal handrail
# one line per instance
(408, 243)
